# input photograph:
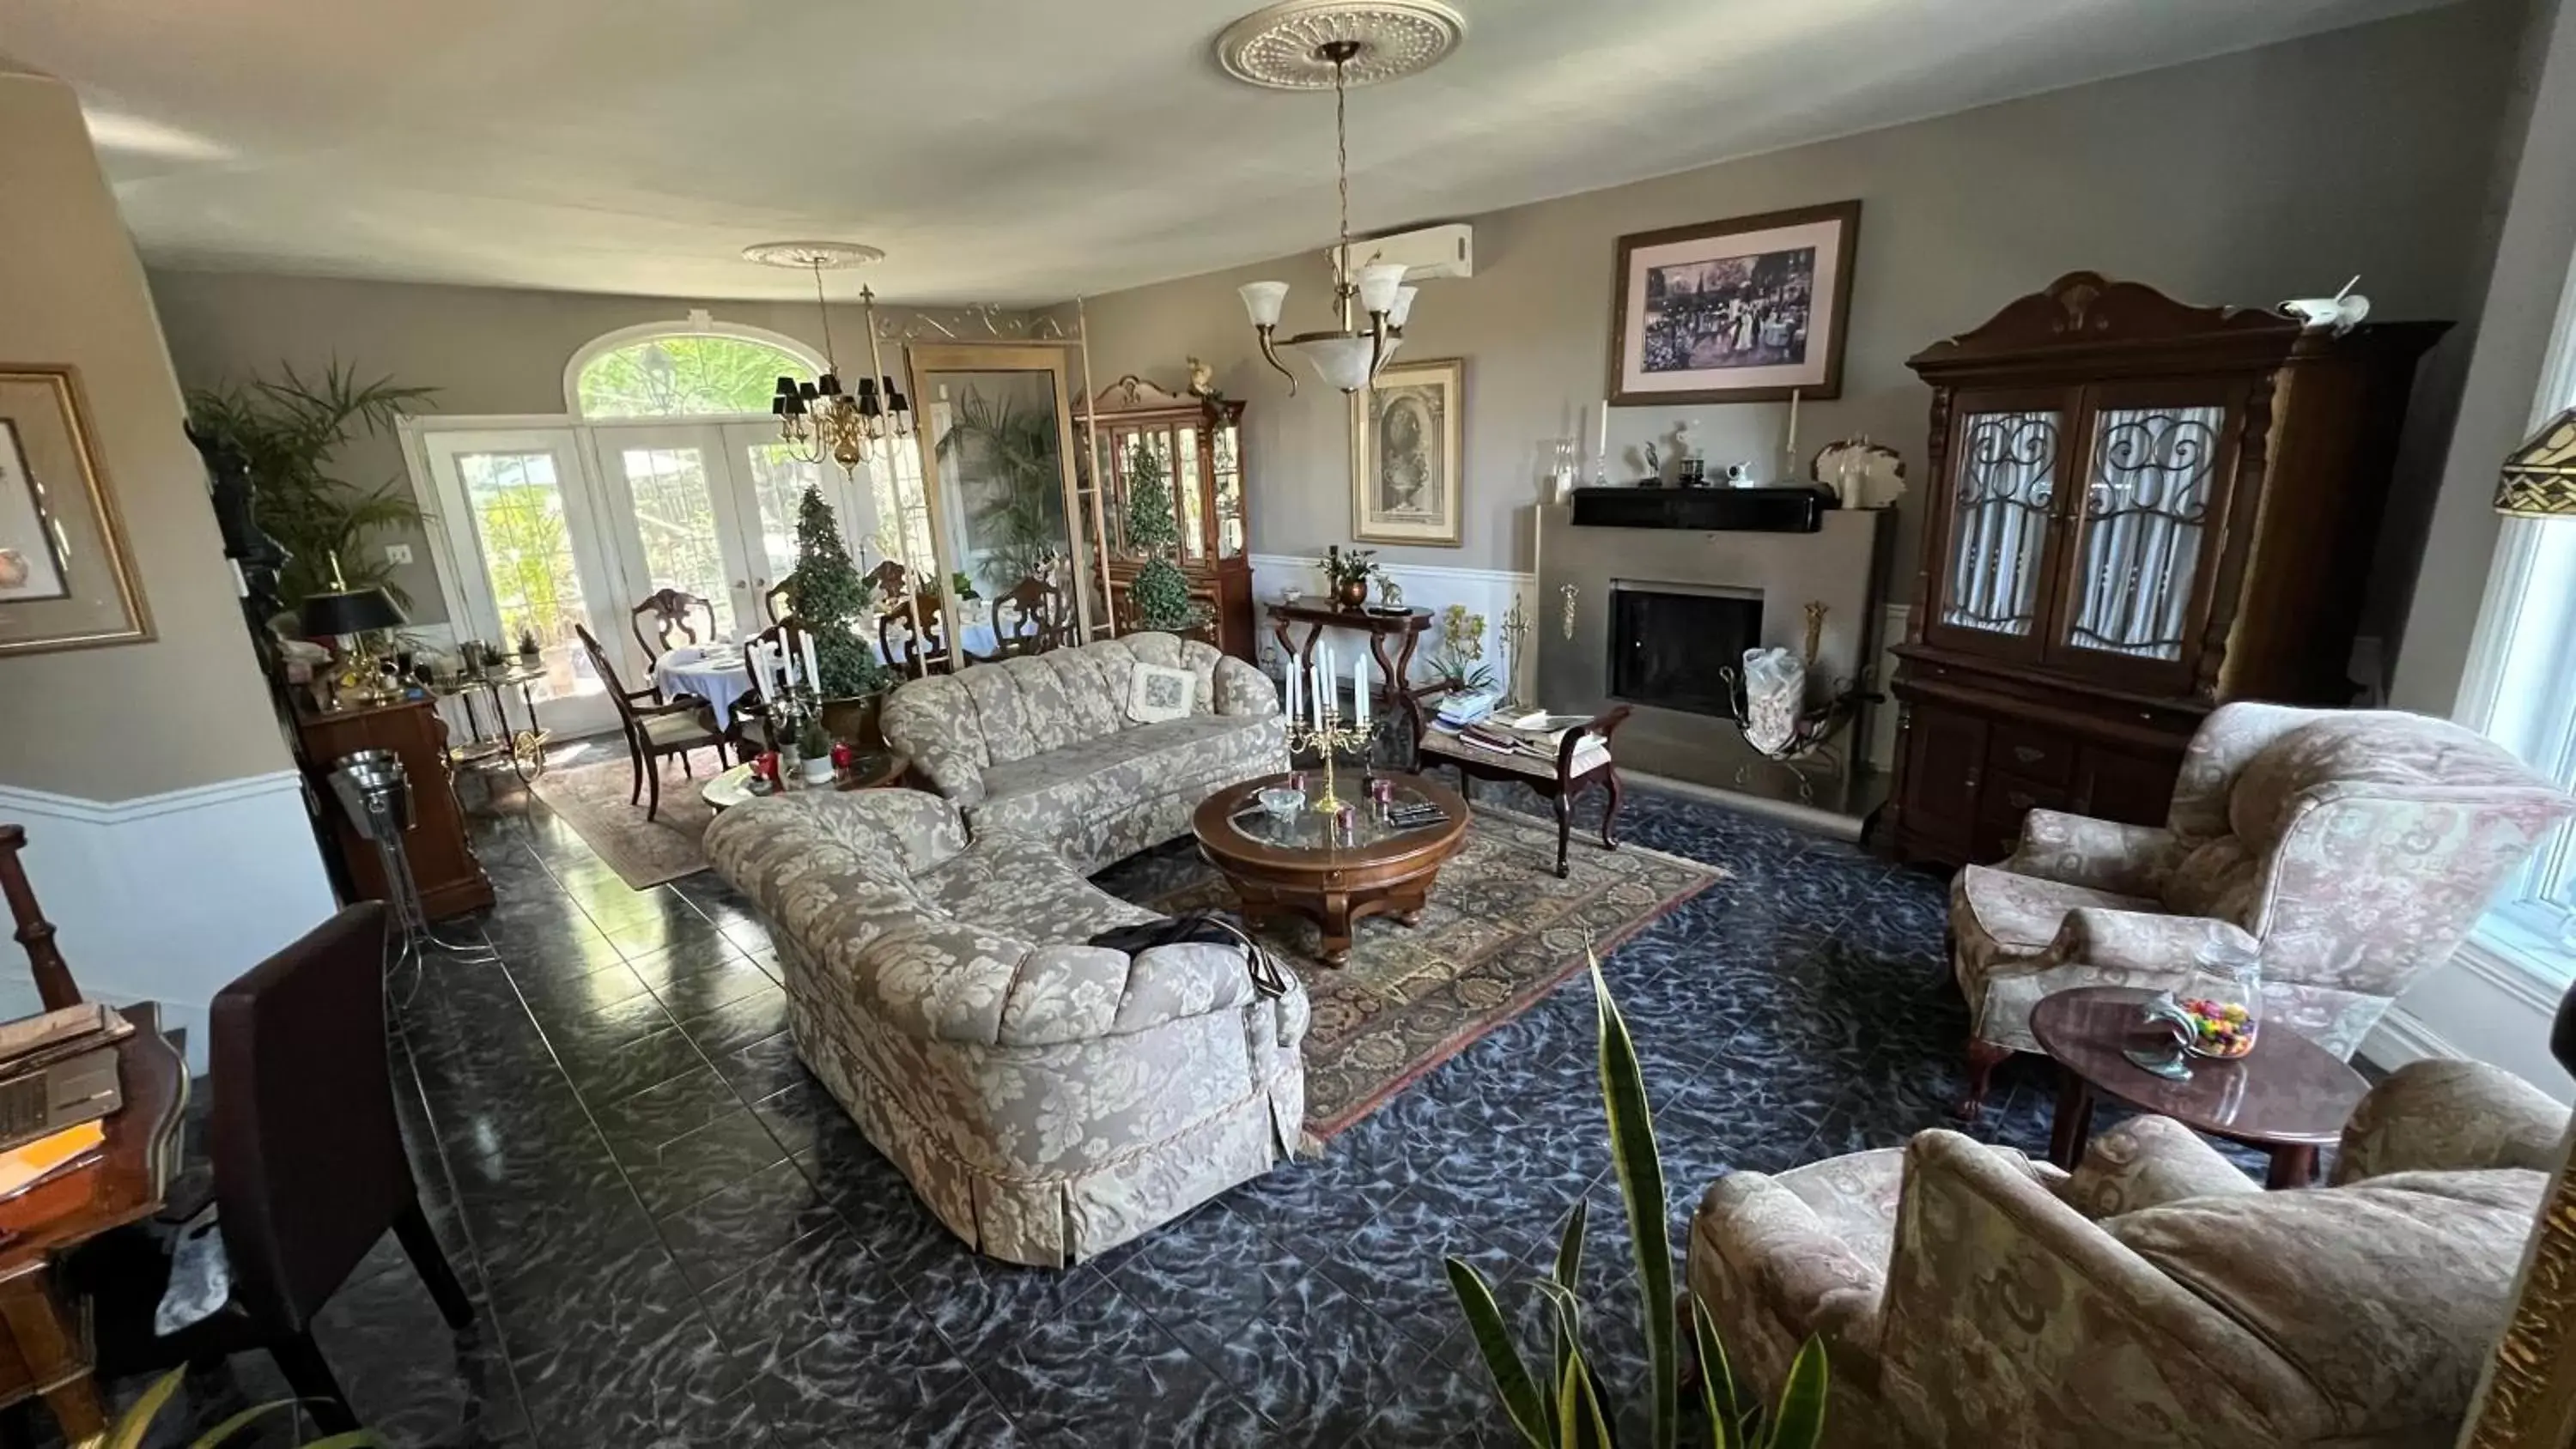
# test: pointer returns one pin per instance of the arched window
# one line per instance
(692, 369)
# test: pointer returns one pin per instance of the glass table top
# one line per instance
(1303, 827)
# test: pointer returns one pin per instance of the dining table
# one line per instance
(715, 673)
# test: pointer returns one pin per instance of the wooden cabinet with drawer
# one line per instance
(2136, 510)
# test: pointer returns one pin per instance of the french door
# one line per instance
(561, 525)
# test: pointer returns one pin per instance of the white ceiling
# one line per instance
(1002, 150)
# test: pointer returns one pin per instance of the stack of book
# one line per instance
(58, 1077)
(1538, 741)
(1460, 710)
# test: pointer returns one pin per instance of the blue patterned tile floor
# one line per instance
(676, 1239)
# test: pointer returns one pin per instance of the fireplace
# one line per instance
(1668, 642)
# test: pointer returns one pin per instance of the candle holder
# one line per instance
(1325, 736)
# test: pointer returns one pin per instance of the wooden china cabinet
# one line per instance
(1200, 443)
(2139, 510)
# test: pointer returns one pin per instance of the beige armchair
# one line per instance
(2155, 1297)
(2353, 849)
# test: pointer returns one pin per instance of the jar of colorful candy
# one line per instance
(2218, 1008)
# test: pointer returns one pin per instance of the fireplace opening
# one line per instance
(1668, 642)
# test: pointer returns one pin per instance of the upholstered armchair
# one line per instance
(2350, 849)
(2157, 1296)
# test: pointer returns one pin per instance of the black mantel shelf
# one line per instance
(1747, 510)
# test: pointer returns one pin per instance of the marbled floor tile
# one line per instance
(410, 1376)
(564, 1308)
(1208, 1277)
(1317, 1362)
(1393, 1264)
(701, 1162)
(758, 1013)
(694, 980)
(667, 1377)
(824, 1281)
(803, 1115)
(728, 1231)
(1102, 1371)
(764, 1068)
(978, 1304)
(637, 1126)
(605, 1069)
(1443, 1399)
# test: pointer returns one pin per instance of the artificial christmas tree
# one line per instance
(1160, 596)
(829, 598)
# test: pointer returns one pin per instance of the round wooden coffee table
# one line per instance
(1292, 866)
(2288, 1096)
(873, 770)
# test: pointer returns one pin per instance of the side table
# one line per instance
(876, 770)
(2288, 1096)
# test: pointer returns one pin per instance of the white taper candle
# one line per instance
(1360, 689)
(813, 672)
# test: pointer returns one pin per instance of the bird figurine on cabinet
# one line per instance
(1203, 380)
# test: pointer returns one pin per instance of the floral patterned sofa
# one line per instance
(1048, 1099)
(1043, 746)
(2352, 849)
(2156, 1297)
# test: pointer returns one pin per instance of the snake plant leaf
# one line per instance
(129, 1430)
(1641, 1185)
(1716, 1380)
(1800, 1424)
(1521, 1397)
(354, 1439)
(223, 1433)
(1582, 1421)
(1569, 1274)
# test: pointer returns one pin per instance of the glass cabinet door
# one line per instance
(1226, 470)
(2007, 451)
(2141, 529)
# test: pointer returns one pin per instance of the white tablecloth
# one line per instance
(719, 681)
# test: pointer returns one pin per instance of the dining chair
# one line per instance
(309, 1171)
(670, 611)
(655, 728)
(780, 601)
(913, 651)
(1030, 618)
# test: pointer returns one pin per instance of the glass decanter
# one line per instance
(2215, 1012)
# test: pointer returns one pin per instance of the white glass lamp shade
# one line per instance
(1342, 362)
(1378, 283)
(1403, 307)
(1262, 301)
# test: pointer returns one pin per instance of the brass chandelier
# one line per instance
(1298, 45)
(822, 419)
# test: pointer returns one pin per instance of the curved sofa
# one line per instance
(1043, 746)
(1048, 1099)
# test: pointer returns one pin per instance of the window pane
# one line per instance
(2145, 501)
(1999, 520)
(675, 516)
(1185, 494)
(517, 505)
(903, 505)
(781, 478)
(687, 375)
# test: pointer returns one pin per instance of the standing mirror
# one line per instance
(996, 444)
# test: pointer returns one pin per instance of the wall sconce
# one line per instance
(2539, 478)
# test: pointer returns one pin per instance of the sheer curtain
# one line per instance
(2007, 483)
(2145, 503)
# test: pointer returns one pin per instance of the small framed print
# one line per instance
(1748, 310)
(66, 576)
(1407, 482)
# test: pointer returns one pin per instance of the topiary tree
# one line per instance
(1161, 593)
(829, 595)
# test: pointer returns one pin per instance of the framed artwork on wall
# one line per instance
(1408, 479)
(66, 576)
(1747, 310)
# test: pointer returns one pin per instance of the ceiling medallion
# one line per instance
(802, 256)
(1283, 46)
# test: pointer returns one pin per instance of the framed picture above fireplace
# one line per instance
(1407, 476)
(1747, 310)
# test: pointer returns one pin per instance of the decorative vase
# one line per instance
(815, 771)
(1351, 594)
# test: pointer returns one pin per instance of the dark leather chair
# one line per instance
(309, 1170)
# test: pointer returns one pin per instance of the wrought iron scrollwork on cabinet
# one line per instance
(2146, 499)
(2007, 488)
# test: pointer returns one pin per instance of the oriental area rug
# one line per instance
(588, 788)
(1501, 931)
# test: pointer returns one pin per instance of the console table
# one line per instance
(1406, 629)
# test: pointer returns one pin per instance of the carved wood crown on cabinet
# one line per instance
(2139, 509)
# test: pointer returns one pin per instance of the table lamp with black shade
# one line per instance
(352, 614)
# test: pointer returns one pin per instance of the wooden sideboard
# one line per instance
(442, 857)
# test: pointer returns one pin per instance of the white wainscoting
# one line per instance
(1426, 586)
(168, 897)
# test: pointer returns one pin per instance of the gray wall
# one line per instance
(486, 349)
(2243, 179)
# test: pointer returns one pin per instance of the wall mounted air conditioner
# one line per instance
(1428, 252)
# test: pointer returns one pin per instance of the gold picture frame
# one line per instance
(1408, 455)
(70, 576)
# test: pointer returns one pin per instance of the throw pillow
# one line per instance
(1157, 693)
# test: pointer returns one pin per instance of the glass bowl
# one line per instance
(1282, 802)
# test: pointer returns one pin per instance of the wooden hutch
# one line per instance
(2138, 510)
(1200, 443)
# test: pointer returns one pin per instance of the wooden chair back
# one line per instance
(914, 652)
(780, 601)
(607, 672)
(308, 1156)
(1031, 617)
(670, 611)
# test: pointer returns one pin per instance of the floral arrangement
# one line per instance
(1458, 654)
(1344, 569)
